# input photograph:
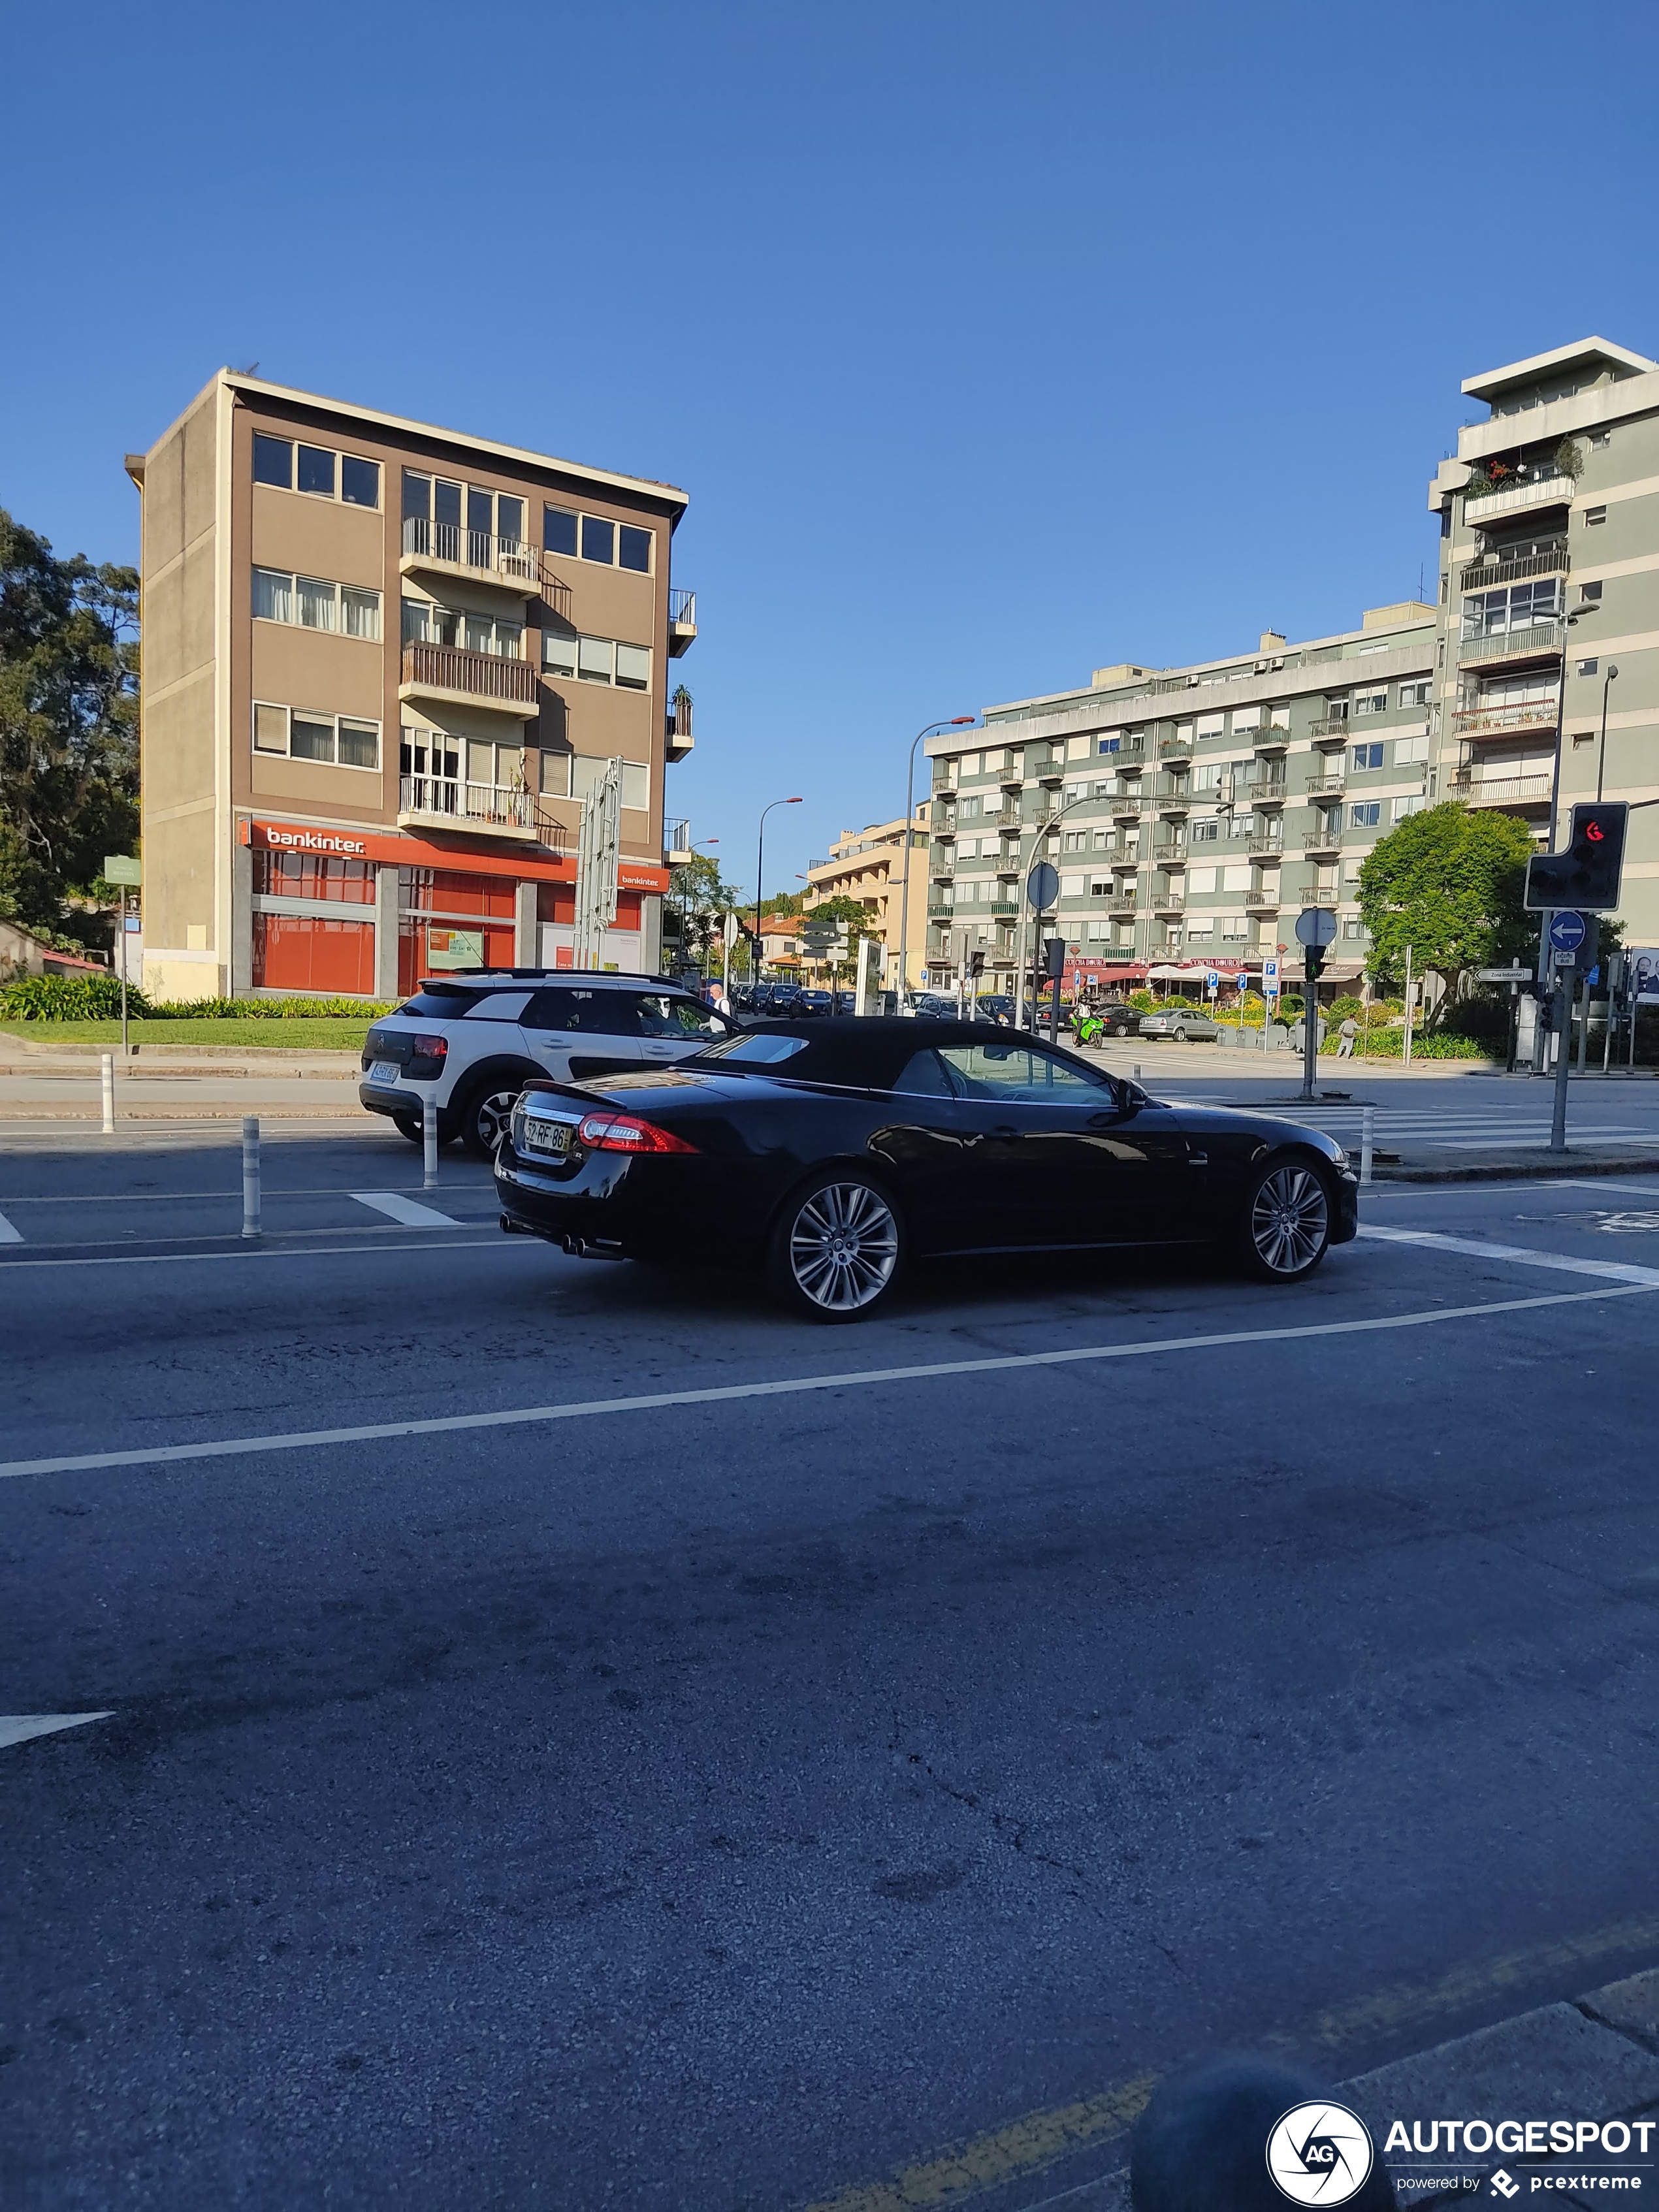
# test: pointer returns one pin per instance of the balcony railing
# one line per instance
(1121, 903)
(452, 668)
(1528, 644)
(1170, 856)
(940, 909)
(1326, 787)
(1552, 560)
(1175, 748)
(453, 546)
(1260, 898)
(1330, 727)
(677, 844)
(1264, 848)
(682, 605)
(1168, 902)
(1265, 790)
(488, 804)
(1324, 840)
(942, 867)
(1126, 805)
(1501, 791)
(1480, 505)
(1505, 721)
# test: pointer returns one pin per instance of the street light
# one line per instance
(760, 858)
(951, 722)
(1601, 755)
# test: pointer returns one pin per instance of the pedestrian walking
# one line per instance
(1348, 1032)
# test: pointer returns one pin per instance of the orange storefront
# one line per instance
(324, 903)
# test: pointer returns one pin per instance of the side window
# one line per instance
(923, 1076)
(1021, 1072)
(499, 1007)
(591, 1013)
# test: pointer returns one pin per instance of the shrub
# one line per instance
(1389, 1044)
(267, 1010)
(68, 999)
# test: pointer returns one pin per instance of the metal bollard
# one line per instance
(429, 1144)
(1367, 1133)
(250, 1175)
(1136, 1071)
(109, 1094)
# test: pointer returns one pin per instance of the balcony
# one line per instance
(1262, 900)
(1168, 902)
(490, 810)
(1172, 803)
(1331, 732)
(1265, 846)
(452, 676)
(1012, 779)
(676, 735)
(1476, 723)
(1326, 839)
(1126, 806)
(1121, 903)
(682, 621)
(1270, 744)
(446, 549)
(1266, 791)
(1540, 641)
(1325, 786)
(939, 910)
(1123, 864)
(1170, 855)
(1550, 560)
(943, 867)
(1518, 791)
(676, 851)
(1175, 749)
(1004, 909)
(1488, 506)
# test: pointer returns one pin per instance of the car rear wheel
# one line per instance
(837, 1248)
(1287, 1222)
(1180, 1036)
(484, 1116)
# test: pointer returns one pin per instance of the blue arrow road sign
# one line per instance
(1567, 931)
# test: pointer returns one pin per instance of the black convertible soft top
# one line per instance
(863, 1051)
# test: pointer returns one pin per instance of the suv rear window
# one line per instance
(441, 1002)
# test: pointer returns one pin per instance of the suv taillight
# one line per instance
(628, 1133)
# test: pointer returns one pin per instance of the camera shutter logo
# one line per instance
(1320, 2154)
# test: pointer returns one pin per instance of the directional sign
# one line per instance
(1316, 925)
(1504, 975)
(1043, 886)
(1567, 931)
(122, 868)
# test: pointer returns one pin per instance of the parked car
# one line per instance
(472, 1043)
(933, 1006)
(830, 1154)
(1184, 1024)
(813, 1002)
(995, 1007)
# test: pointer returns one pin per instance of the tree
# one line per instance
(854, 916)
(1446, 881)
(68, 726)
(700, 897)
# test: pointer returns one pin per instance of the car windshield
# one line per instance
(754, 1048)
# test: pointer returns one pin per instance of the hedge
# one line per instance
(98, 998)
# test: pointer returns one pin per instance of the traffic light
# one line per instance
(977, 963)
(1586, 876)
(1053, 957)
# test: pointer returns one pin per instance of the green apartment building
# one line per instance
(1192, 813)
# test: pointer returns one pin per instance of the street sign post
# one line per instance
(122, 868)
(1270, 979)
(1212, 982)
(1315, 928)
(1043, 886)
(1568, 931)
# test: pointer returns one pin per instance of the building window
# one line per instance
(1353, 931)
(306, 952)
(313, 603)
(1363, 757)
(335, 740)
(633, 549)
(1365, 815)
(1234, 928)
(559, 530)
(1414, 804)
(1521, 606)
(1075, 841)
(317, 470)
(1415, 694)
(313, 876)
(1199, 931)
(1408, 752)
(599, 540)
(1593, 515)
(1206, 832)
(1110, 744)
(598, 660)
(587, 772)
(447, 507)
(425, 623)
(1370, 702)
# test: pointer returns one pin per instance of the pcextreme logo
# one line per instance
(1320, 2154)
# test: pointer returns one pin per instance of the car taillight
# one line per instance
(430, 1047)
(627, 1133)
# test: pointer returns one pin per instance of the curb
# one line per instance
(1593, 2057)
(1572, 1163)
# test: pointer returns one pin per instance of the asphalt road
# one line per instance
(730, 1801)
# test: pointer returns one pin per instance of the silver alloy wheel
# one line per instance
(843, 1247)
(1289, 1220)
(491, 1117)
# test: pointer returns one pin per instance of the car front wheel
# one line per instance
(485, 1118)
(1287, 1222)
(837, 1248)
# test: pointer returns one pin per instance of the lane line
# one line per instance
(409, 1211)
(1520, 1256)
(8, 1235)
(794, 1385)
(180, 1197)
(20, 1728)
(496, 1244)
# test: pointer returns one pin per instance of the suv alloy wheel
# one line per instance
(485, 1115)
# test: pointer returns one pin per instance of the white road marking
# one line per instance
(18, 1727)
(409, 1211)
(8, 1234)
(496, 1244)
(1520, 1256)
(725, 1393)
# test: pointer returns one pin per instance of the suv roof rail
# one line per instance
(465, 976)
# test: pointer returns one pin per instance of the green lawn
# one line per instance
(342, 1032)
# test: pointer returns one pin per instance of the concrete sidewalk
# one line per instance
(1594, 2059)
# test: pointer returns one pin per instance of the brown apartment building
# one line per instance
(383, 664)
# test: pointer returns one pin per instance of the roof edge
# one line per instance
(1518, 372)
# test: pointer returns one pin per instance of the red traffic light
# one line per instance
(1595, 832)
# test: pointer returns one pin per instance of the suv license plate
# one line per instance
(384, 1071)
(546, 1136)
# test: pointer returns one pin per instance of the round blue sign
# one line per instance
(1567, 931)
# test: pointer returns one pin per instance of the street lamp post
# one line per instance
(760, 860)
(951, 722)
(1044, 828)
(1602, 753)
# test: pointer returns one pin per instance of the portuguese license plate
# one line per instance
(384, 1071)
(546, 1136)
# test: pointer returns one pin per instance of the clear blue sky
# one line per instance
(991, 343)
